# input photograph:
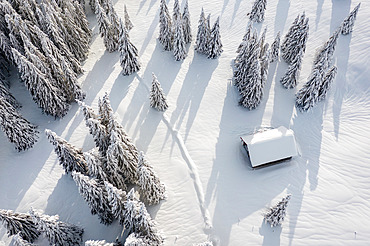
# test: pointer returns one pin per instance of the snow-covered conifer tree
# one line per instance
(186, 23)
(275, 48)
(57, 232)
(6, 95)
(202, 39)
(264, 64)
(70, 157)
(131, 207)
(179, 49)
(275, 215)
(151, 189)
(144, 226)
(176, 12)
(17, 240)
(128, 53)
(165, 27)
(157, 97)
(95, 195)
(307, 96)
(135, 239)
(19, 223)
(327, 81)
(17, 129)
(98, 243)
(258, 11)
(252, 91)
(246, 37)
(114, 27)
(206, 243)
(87, 111)
(348, 23)
(99, 133)
(95, 165)
(128, 23)
(105, 28)
(117, 198)
(215, 45)
(290, 79)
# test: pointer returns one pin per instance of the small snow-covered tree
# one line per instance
(146, 227)
(179, 49)
(117, 198)
(151, 189)
(19, 224)
(215, 45)
(128, 53)
(349, 22)
(258, 11)
(57, 232)
(202, 39)
(131, 207)
(186, 23)
(128, 23)
(327, 81)
(95, 195)
(70, 157)
(17, 129)
(275, 215)
(176, 12)
(135, 239)
(165, 27)
(307, 96)
(275, 48)
(290, 79)
(157, 97)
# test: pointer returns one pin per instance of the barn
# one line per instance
(270, 146)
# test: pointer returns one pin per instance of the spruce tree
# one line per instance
(165, 27)
(252, 91)
(17, 240)
(327, 81)
(57, 232)
(95, 165)
(290, 79)
(95, 195)
(275, 215)
(186, 23)
(135, 239)
(131, 207)
(114, 27)
(275, 48)
(87, 111)
(128, 53)
(157, 97)
(117, 198)
(179, 49)
(151, 189)
(207, 34)
(70, 157)
(105, 28)
(176, 12)
(100, 135)
(19, 224)
(201, 42)
(215, 45)
(146, 227)
(98, 243)
(246, 38)
(348, 23)
(6, 95)
(17, 129)
(258, 11)
(128, 23)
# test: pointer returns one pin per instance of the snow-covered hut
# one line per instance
(270, 146)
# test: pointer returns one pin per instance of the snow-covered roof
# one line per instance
(271, 145)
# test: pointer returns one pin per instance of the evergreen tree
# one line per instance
(157, 97)
(17, 129)
(117, 198)
(151, 189)
(258, 11)
(128, 23)
(146, 227)
(215, 45)
(105, 28)
(264, 64)
(327, 81)
(246, 37)
(275, 48)
(275, 215)
(131, 207)
(128, 53)
(7, 96)
(70, 157)
(95, 165)
(17, 240)
(202, 39)
(186, 24)
(100, 135)
(88, 111)
(252, 92)
(135, 239)
(57, 232)
(98, 243)
(95, 195)
(114, 28)
(165, 27)
(206, 243)
(19, 224)
(307, 96)
(49, 98)
(179, 49)
(207, 34)
(176, 12)
(290, 79)
(348, 23)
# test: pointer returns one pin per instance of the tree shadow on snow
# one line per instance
(281, 15)
(271, 235)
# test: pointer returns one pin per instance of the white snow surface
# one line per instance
(213, 193)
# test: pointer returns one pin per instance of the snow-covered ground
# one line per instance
(194, 146)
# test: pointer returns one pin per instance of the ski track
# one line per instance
(194, 174)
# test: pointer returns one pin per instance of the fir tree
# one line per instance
(131, 206)
(207, 34)
(7, 96)
(215, 45)
(275, 48)
(17, 240)
(128, 23)
(348, 23)
(88, 111)
(117, 198)
(70, 157)
(100, 135)
(307, 96)
(135, 239)
(290, 79)
(146, 227)
(165, 27)
(57, 232)
(17, 129)
(327, 81)
(252, 92)
(105, 28)
(95, 195)
(95, 165)
(128, 53)
(246, 37)
(202, 39)
(98, 243)
(275, 215)
(186, 23)
(179, 49)
(151, 189)
(157, 97)
(176, 12)
(258, 11)
(114, 27)
(19, 224)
